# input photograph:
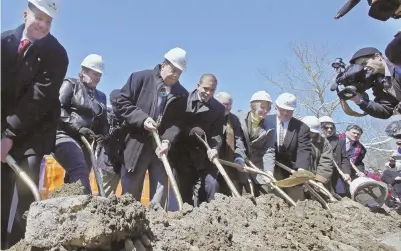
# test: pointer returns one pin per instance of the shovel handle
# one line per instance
(221, 169)
(311, 182)
(264, 174)
(342, 174)
(24, 177)
(169, 171)
(98, 177)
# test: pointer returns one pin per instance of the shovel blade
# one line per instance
(297, 178)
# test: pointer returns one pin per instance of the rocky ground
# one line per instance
(227, 223)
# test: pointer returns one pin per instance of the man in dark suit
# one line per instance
(33, 66)
(339, 155)
(231, 141)
(197, 176)
(292, 141)
(151, 100)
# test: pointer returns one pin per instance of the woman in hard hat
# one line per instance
(258, 142)
(340, 156)
(322, 153)
(83, 113)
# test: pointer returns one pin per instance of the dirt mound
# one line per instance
(229, 223)
(237, 224)
(68, 190)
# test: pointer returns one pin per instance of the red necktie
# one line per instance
(23, 45)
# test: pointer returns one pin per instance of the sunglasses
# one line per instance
(328, 127)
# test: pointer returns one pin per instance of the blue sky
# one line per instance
(231, 39)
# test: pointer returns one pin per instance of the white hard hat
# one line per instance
(93, 62)
(49, 7)
(178, 57)
(326, 119)
(287, 101)
(313, 123)
(260, 96)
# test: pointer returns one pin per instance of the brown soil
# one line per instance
(230, 223)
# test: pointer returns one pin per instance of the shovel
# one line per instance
(307, 186)
(24, 177)
(315, 184)
(221, 168)
(271, 181)
(98, 176)
(169, 172)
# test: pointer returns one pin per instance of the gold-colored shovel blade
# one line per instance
(297, 178)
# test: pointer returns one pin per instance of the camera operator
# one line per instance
(384, 80)
(393, 50)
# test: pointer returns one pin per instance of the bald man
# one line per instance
(197, 176)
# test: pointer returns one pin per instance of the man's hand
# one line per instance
(356, 99)
(347, 177)
(360, 174)
(100, 140)
(150, 125)
(196, 130)
(87, 133)
(212, 154)
(6, 145)
(165, 146)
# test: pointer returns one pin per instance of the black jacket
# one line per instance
(340, 156)
(393, 50)
(209, 117)
(136, 101)
(82, 106)
(30, 107)
(383, 105)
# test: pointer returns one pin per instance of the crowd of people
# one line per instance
(43, 112)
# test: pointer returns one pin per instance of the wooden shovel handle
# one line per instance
(221, 169)
(169, 171)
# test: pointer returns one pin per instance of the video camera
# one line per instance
(379, 9)
(354, 78)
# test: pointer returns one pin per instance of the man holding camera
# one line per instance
(385, 81)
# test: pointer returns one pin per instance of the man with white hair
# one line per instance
(292, 141)
(33, 66)
(151, 100)
(322, 153)
(231, 141)
(258, 142)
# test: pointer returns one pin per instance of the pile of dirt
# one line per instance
(229, 223)
(66, 190)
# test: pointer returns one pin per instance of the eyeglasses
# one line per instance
(328, 127)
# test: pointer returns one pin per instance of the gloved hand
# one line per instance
(150, 124)
(240, 162)
(196, 130)
(87, 133)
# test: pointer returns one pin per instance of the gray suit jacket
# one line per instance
(260, 151)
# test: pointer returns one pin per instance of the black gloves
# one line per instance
(87, 133)
(196, 130)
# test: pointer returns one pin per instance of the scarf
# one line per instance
(229, 139)
(355, 149)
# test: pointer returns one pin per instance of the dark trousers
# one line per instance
(75, 161)
(13, 206)
(197, 186)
